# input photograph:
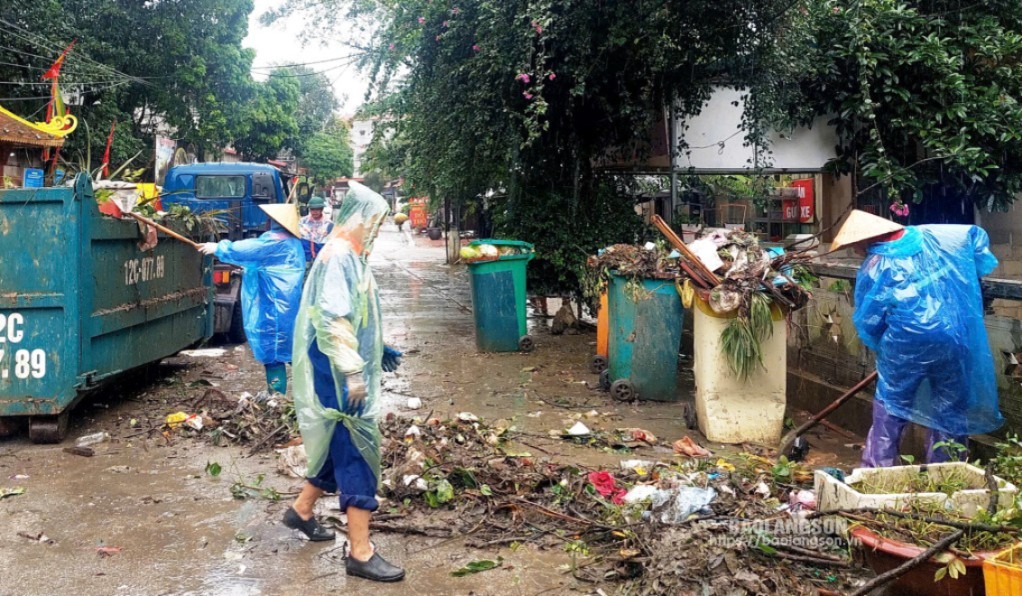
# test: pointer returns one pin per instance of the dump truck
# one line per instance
(234, 191)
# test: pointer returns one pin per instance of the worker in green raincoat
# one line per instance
(339, 358)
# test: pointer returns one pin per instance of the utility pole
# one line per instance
(672, 151)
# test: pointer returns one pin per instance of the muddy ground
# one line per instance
(175, 529)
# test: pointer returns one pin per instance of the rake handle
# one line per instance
(165, 230)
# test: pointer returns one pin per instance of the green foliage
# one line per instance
(328, 155)
(521, 101)
(923, 94)
(179, 64)
(478, 566)
(269, 123)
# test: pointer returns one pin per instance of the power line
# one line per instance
(83, 92)
(33, 38)
(272, 66)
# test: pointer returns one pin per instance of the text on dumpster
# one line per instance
(26, 363)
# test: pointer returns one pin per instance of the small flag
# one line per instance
(54, 70)
(106, 152)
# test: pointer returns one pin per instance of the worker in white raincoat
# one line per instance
(339, 358)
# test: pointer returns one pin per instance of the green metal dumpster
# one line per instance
(499, 297)
(645, 332)
(80, 302)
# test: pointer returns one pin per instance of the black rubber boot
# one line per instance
(310, 527)
(376, 569)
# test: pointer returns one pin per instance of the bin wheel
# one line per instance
(526, 343)
(605, 380)
(622, 390)
(599, 364)
(688, 412)
(48, 429)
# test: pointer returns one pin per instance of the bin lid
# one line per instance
(495, 242)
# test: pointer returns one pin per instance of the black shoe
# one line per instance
(310, 527)
(376, 569)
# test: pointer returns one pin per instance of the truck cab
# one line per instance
(234, 191)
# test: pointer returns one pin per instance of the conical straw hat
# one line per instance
(863, 226)
(284, 214)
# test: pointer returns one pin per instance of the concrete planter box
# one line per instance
(832, 494)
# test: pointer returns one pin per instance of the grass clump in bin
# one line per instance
(947, 483)
(742, 339)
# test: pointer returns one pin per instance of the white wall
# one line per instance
(717, 142)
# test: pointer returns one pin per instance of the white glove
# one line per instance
(356, 389)
(207, 248)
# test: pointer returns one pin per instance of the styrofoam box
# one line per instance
(832, 494)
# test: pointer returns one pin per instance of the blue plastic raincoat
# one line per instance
(339, 333)
(271, 290)
(918, 305)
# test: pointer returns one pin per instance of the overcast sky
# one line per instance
(279, 44)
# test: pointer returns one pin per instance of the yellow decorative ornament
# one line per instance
(686, 291)
(57, 126)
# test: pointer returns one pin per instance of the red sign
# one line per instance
(806, 200)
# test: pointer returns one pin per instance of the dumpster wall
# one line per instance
(86, 303)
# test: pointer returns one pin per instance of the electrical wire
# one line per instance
(274, 67)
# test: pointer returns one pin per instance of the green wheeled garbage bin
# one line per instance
(499, 298)
(645, 332)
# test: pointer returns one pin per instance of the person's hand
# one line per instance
(207, 248)
(391, 359)
(356, 390)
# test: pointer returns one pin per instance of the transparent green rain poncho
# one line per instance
(340, 312)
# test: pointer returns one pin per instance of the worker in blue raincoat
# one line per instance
(918, 305)
(339, 360)
(271, 288)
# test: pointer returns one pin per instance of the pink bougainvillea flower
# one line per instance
(619, 497)
(552, 76)
(446, 23)
(392, 46)
(422, 20)
(523, 78)
(455, 10)
(438, 38)
(526, 95)
(537, 27)
(476, 48)
(901, 210)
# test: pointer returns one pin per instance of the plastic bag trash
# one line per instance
(412, 432)
(176, 419)
(802, 499)
(93, 439)
(204, 353)
(416, 482)
(414, 403)
(763, 490)
(579, 430)
(649, 246)
(635, 464)
(640, 492)
(675, 506)
(674, 254)
(468, 417)
(194, 421)
(706, 250)
(293, 461)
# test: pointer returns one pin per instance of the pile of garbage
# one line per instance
(257, 421)
(670, 527)
(746, 267)
(648, 261)
(476, 253)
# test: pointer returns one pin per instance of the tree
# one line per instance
(174, 63)
(527, 97)
(316, 104)
(269, 119)
(925, 96)
(328, 154)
